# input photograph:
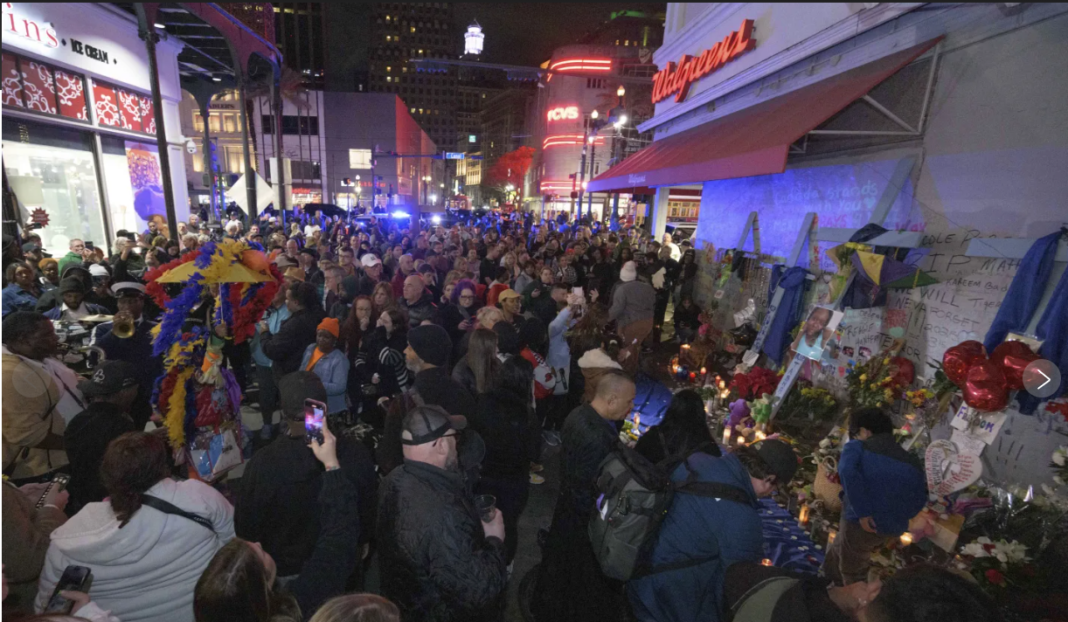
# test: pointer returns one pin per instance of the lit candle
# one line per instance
(722, 384)
(802, 516)
(740, 440)
(906, 539)
(727, 437)
(704, 371)
(758, 435)
(766, 562)
(830, 537)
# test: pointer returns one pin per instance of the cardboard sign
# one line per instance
(986, 431)
(949, 469)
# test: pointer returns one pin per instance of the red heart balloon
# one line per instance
(905, 372)
(985, 389)
(1012, 357)
(957, 360)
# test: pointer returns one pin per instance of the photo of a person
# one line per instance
(848, 352)
(816, 332)
(864, 354)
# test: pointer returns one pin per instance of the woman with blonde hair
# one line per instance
(357, 608)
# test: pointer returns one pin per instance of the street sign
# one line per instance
(454, 155)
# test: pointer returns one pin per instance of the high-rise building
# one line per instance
(473, 40)
(299, 30)
(400, 32)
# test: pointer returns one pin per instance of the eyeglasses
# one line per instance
(466, 297)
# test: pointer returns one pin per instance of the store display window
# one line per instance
(42, 88)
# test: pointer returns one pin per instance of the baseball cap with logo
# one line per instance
(370, 260)
(109, 378)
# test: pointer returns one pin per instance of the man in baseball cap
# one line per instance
(370, 274)
(112, 382)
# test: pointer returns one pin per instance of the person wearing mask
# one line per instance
(240, 582)
(286, 347)
(275, 503)
(39, 395)
(111, 391)
(570, 585)
(135, 349)
(331, 366)
(439, 561)
(22, 292)
(883, 487)
(74, 307)
(143, 543)
(506, 421)
(633, 303)
(277, 313)
(26, 530)
(418, 302)
(701, 536)
(477, 370)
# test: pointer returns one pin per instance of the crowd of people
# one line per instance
(452, 360)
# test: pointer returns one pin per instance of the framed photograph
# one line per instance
(817, 332)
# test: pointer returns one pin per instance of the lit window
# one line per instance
(387, 18)
(420, 52)
(389, 38)
(389, 69)
(617, 41)
(198, 122)
(413, 110)
(213, 123)
(389, 78)
(413, 29)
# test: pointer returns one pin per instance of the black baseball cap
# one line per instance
(424, 424)
(109, 378)
(779, 457)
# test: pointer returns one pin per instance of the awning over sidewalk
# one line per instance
(753, 141)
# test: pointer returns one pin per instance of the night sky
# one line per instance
(526, 33)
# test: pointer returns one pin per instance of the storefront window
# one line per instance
(134, 184)
(229, 123)
(118, 107)
(198, 122)
(213, 123)
(39, 87)
(52, 169)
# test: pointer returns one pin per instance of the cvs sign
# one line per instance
(16, 24)
(563, 113)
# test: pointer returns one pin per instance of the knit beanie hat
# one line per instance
(629, 272)
(431, 343)
(330, 325)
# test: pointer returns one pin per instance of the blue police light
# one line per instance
(399, 214)
(435, 219)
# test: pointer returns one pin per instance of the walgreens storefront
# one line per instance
(79, 143)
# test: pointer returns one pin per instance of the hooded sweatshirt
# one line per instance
(148, 569)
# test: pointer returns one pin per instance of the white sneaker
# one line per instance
(536, 479)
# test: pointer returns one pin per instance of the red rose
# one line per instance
(994, 576)
(989, 548)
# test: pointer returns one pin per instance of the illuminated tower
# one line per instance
(473, 39)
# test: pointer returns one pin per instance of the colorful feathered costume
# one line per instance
(197, 398)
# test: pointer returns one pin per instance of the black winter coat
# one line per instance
(511, 432)
(587, 439)
(276, 498)
(437, 564)
(286, 347)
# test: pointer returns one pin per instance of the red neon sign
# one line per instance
(563, 113)
(678, 78)
(582, 64)
(568, 139)
(549, 186)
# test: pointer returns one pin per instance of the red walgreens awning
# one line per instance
(753, 141)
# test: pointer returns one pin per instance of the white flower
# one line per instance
(1002, 557)
(1059, 455)
(825, 443)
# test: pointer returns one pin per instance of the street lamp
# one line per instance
(620, 92)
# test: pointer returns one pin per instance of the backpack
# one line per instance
(634, 496)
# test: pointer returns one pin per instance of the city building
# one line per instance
(303, 143)
(373, 139)
(573, 126)
(300, 34)
(225, 143)
(79, 125)
(401, 32)
(801, 124)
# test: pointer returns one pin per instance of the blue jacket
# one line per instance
(274, 318)
(17, 299)
(724, 532)
(333, 370)
(56, 312)
(881, 480)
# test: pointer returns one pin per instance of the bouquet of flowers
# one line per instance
(812, 403)
(877, 382)
(1059, 464)
(998, 565)
(755, 384)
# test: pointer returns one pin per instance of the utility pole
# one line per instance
(593, 158)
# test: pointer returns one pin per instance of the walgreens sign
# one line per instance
(676, 78)
(38, 32)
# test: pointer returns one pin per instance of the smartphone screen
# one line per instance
(314, 412)
(89, 245)
(59, 481)
(75, 578)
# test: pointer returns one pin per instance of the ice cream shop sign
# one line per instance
(20, 25)
(676, 78)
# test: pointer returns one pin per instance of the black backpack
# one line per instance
(634, 496)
